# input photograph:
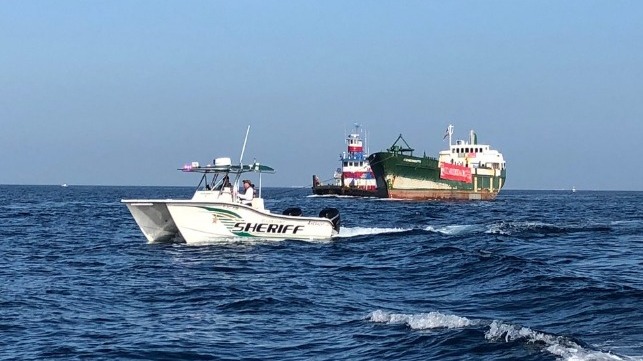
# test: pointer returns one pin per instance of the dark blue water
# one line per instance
(530, 276)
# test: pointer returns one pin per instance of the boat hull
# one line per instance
(420, 178)
(343, 191)
(212, 221)
(153, 218)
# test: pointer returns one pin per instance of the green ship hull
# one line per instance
(454, 176)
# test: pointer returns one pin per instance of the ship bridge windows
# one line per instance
(467, 150)
(354, 164)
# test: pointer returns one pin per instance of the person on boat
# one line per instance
(225, 183)
(248, 193)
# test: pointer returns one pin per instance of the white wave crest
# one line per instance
(580, 354)
(626, 222)
(561, 346)
(497, 228)
(499, 330)
(346, 232)
(421, 321)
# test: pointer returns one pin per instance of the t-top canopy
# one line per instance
(194, 167)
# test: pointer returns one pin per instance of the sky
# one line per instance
(125, 92)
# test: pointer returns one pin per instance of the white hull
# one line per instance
(212, 221)
(153, 218)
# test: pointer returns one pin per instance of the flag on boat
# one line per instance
(446, 134)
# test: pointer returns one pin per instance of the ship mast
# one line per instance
(450, 133)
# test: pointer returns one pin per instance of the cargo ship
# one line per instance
(465, 171)
(354, 177)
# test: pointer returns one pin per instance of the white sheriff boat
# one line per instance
(215, 211)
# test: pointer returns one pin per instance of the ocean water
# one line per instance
(533, 275)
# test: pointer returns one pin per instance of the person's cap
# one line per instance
(247, 181)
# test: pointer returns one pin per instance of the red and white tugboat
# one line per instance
(355, 177)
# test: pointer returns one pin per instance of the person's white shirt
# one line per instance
(248, 194)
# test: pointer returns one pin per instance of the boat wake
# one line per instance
(541, 229)
(498, 331)
(450, 230)
(453, 229)
(347, 232)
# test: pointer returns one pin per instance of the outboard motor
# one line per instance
(295, 211)
(333, 215)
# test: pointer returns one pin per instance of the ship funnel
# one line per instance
(473, 137)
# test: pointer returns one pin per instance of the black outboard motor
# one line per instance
(333, 215)
(295, 211)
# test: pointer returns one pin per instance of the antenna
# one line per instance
(243, 149)
(244, 146)
(366, 143)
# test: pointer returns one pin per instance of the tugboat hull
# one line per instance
(343, 191)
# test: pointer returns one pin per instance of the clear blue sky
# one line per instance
(124, 92)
